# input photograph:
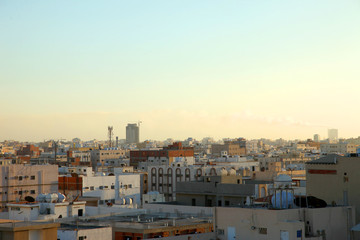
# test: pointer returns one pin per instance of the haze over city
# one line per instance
(184, 68)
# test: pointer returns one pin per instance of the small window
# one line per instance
(20, 192)
(32, 191)
(112, 187)
(20, 178)
(92, 188)
(221, 231)
(262, 230)
(130, 185)
(32, 177)
(101, 187)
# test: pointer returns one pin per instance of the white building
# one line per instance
(85, 232)
(48, 207)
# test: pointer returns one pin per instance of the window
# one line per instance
(20, 192)
(112, 187)
(101, 187)
(92, 188)
(262, 230)
(32, 177)
(15, 208)
(20, 178)
(221, 231)
(32, 191)
(130, 185)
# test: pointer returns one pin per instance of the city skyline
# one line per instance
(274, 69)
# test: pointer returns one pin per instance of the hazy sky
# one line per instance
(251, 68)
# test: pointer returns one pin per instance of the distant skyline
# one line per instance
(271, 69)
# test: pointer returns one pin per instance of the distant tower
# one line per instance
(316, 138)
(117, 141)
(110, 134)
(333, 135)
(132, 133)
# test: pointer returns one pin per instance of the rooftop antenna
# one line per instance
(110, 135)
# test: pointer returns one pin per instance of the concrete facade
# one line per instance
(18, 181)
(336, 180)
(331, 223)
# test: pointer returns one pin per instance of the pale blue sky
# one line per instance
(185, 68)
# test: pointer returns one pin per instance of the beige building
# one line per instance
(28, 231)
(19, 181)
(340, 148)
(336, 180)
(274, 169)
(331, 223)
(98, 156)
(231, 148)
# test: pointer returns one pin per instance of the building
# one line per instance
(232, 148)
(224, 190)
(132, 133)
(30, 211)
(331, 223)
(19, 181)
(29, 150)
(28, 230)
(336, 180)
(316, 138)
(338, 148)
(333, 135)
(98, 156)
(165, 156)
(85, 232)
(122, 188)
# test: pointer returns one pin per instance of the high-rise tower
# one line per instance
(132, 133)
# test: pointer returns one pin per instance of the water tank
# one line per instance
(282, 199)
(223, 172)
(51, 197)
(41, 197)
(61, 197)
(232, 172)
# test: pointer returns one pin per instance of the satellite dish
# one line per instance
(29, 199)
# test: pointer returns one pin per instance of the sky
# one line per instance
(205, 68)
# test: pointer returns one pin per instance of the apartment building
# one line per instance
(98, 156)
(335, 179)
(338, 148)
(166, 156)
(19, 181)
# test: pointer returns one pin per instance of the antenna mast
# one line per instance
(110, 135)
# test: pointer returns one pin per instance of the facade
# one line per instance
(29, 150)
(339, 148)
(316, 138)
(98, 156)
(132, 133)
(333, 135)
(28, 231)
(19, 181)
(167, 155)
(123, 188)
(336, 180)
(331, 223)
(225, 190)
(232, 148)
(85, 232)
(26, 211)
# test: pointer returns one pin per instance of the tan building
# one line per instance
(331, 223)
(274, 169)
(232, 149)
(223, 190)
(99, 156)
(19, 181)
(340, 148)
(28, 231)
(336, 180)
